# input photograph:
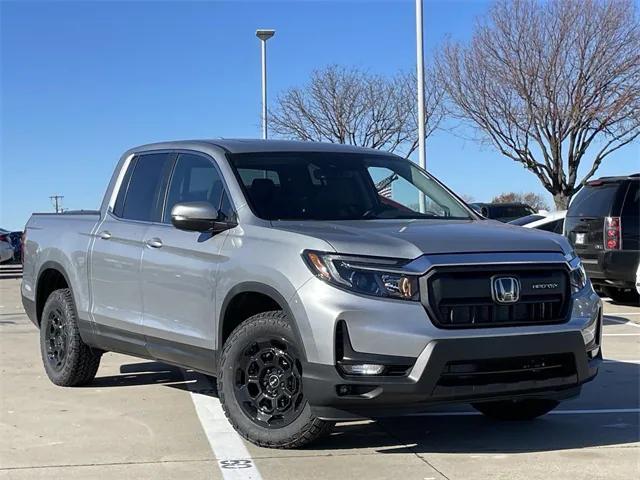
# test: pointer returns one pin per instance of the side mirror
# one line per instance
(194, 216)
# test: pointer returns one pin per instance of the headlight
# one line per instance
(379, 277)
(578, 277)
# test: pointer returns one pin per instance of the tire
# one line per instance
(68, 361)
(621, 295)
(512, 410)
(259, 351)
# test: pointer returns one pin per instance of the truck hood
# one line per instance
(412, 238)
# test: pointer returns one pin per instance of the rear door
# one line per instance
(584, 225)
(116, 254)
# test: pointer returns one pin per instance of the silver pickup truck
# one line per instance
(316, 282)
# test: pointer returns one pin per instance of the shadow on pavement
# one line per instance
(615, 320)
(616, 387)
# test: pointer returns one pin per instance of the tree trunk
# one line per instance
(561, 200)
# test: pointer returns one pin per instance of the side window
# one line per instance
(226, 209)
(118, 207)
(144, 190)
(194, 179)
(631, 206)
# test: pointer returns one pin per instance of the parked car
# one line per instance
(281, 269)
(603, 225)
(6, 250)
(548, 221)
(15, 240)
(503, 212)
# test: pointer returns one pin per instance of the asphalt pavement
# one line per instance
(146, 420)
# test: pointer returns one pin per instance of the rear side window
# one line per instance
(194, 179)
(144, 194)
(122, 193)
(631, 206)
(594, 201)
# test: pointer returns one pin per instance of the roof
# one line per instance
(234, 145)
(621, 178)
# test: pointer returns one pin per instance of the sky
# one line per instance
(81, 82)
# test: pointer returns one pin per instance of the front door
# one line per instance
(179, 271)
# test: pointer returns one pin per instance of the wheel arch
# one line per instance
(254, 290)
(51, 276)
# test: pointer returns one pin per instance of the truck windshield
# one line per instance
(338, 186)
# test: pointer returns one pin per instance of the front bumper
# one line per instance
(428, 383)
(381, 328)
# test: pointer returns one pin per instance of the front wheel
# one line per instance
(516, 409)
(260, 384)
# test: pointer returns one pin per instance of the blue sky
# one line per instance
(84, 81)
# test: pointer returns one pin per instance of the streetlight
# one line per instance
(264, 35)
(420, 75)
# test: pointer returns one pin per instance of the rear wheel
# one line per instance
(516, 409)
(260, 384)
(622, 295)
(67, 360)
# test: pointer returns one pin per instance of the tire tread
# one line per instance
(315, 428)
(83, 361)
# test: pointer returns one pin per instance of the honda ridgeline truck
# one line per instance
(317, 282)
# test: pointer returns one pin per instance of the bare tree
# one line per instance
(537, 202)
(551, 84)
(347, 105)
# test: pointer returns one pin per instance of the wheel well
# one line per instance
(243, 306)
(49, 281)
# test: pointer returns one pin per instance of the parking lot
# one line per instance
(141, 419)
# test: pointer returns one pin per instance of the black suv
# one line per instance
(603, 225)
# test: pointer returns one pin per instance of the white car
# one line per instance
(6, 251)
(543, 220)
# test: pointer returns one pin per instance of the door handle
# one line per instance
(105, 235)
(154, 243)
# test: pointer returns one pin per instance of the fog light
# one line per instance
(363, 369)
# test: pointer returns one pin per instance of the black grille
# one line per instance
(507, 370)
(460, 297)
(490, 376)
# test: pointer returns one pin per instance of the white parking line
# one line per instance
(622, 313)
(622, 360)
(621, 334)
(553, 412)
(234, 459)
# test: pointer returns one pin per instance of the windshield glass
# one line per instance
(338, 186)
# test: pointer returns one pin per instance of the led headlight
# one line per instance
(369, 276)
(577, 277)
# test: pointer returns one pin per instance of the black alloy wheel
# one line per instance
(56, 339)
(268, 382)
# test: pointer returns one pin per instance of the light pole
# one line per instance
(420, 76)
(264, 35)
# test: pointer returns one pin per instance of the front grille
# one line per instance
(507, 370)
(461, 297)
(488, 376)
